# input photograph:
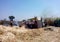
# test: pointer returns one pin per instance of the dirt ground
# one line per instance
(22, 34)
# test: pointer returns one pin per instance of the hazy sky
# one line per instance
(24, 9)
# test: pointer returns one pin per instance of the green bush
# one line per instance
(57, 22)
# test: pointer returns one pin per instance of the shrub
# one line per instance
(57, 22)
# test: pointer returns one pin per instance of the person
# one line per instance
(11, 23)
(35, 24)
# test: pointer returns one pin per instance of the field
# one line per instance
(21, 34)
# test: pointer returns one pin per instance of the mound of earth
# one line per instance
(21, 34)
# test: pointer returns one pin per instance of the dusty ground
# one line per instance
(17, 34)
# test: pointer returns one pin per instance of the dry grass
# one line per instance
(17, 34)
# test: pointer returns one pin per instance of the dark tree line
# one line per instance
(52, 23)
